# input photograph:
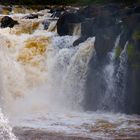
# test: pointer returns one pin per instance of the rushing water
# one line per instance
(109, 72)
(43, 80)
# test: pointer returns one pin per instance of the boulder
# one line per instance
(8, 22)
(31, 16)
(79, 40)
(57, 9)
(65, 21)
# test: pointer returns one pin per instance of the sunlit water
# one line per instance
(43, 85)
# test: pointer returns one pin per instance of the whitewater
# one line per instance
(42, 86)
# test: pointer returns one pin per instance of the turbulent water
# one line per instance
(43, 78)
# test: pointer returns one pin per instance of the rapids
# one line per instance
(43, 78)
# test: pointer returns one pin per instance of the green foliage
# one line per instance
(131, 51)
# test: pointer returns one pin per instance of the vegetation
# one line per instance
(64, 1)
(136, 35)
(133, 55)
(118, 51)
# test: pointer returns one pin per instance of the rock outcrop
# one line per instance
(106, 23)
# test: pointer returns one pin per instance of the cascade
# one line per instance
(108, 99)
(121, 77)
(45, 82)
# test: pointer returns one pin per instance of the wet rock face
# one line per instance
(8, 22)
(57, 11)
(132, 34)
(133, 75)
(106, 23)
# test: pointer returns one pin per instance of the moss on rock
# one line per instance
(118, 52)
(133, 55)
(136, 35)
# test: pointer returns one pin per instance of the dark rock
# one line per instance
(133, 76)
(79, 40)
(105, 39)
(99, 24)
(112, 7)
(57, 9)
(130, 23)
(8, 22)
(132, 20)
(31, 16)
(90, 11)
(137, 9)
(133, 90)
(64, 22)
(89, 28)
(97, 10)
(56, 14)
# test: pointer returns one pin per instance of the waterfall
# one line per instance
(114, 95)
(56, 82)
(51, 88)
(73, 84)
(121, 77)
(107, 102)
(53, 77)
(67, 73)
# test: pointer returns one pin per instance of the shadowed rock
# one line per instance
(31, 16)
(8, 22)
(65, 21)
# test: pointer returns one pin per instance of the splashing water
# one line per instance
(47, 75)
(42, 82)
(109, 71)
(5, 129)
(121, 75)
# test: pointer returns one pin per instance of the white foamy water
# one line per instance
(5, 129)
(43, 84)
(93, 125)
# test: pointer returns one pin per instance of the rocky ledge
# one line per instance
(26, 133)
